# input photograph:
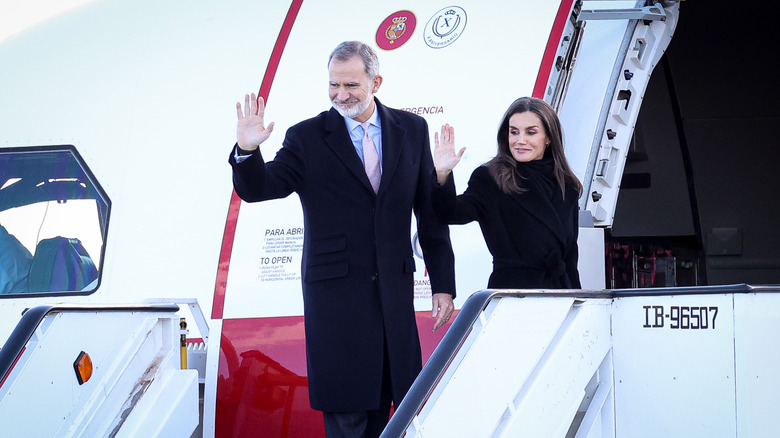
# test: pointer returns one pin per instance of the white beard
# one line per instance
(354, 110)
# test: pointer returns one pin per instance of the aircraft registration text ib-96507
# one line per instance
(681, 317)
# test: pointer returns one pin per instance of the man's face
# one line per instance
(351, 92)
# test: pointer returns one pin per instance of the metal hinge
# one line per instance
(649, 13)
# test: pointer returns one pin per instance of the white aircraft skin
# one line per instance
(145, 93)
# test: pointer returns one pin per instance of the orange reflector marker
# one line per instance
(83, 367)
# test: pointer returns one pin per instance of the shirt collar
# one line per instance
(374, 119)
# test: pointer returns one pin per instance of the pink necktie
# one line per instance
(371, 158)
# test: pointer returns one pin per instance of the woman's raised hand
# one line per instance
(444, 156)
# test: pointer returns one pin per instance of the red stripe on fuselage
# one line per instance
(548, 60)
(228, 237)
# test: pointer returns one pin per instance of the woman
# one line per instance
(525, 199)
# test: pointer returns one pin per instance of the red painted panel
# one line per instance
(262, 388)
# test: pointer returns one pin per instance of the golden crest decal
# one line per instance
(395, 30)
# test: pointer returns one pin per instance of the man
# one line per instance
(362, 347)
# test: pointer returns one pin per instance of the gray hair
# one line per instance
(346, 50)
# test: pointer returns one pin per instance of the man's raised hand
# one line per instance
(251, 130)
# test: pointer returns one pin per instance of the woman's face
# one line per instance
(527, 138)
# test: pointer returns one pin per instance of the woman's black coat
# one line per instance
(532, 236)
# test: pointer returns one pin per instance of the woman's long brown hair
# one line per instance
(502, 166)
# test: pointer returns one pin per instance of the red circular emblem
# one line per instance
(395, 30)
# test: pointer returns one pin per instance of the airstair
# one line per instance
(90, 370)
(668, 362)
